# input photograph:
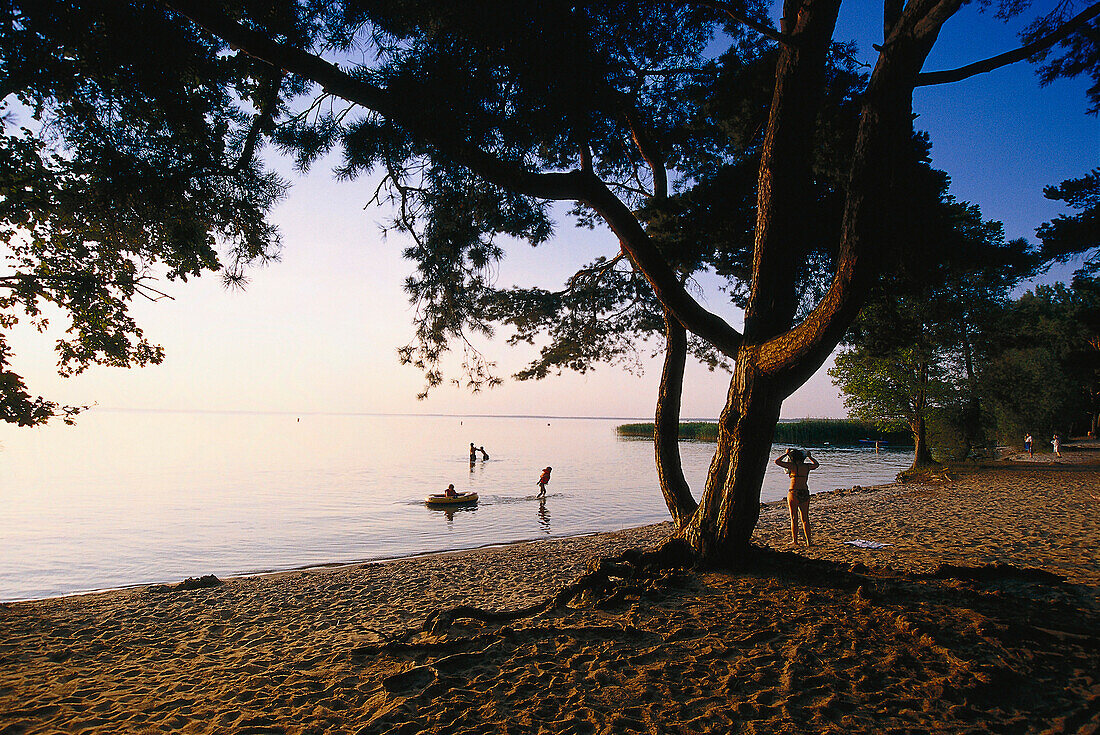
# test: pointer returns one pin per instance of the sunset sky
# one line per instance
(318, 331)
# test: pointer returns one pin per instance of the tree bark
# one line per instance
(922, 455)
(666, 425)
(773, 359)
(785, 190)
(722, 527)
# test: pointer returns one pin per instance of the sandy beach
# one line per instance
(978, 613)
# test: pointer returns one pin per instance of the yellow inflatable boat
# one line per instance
(457, 499)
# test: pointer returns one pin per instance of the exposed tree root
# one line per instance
(608, 583)
(635, 574)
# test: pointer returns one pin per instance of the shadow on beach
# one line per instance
(979, 613)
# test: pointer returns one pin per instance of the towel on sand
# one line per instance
(863, 544)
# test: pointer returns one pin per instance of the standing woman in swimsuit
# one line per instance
(798, 497)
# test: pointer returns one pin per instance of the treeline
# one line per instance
(980, 371)
(807, 432)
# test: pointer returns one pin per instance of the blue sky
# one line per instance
(318, 331)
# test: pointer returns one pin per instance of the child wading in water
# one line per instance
(543, 479)
(798, 498)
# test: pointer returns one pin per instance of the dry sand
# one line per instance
(921, 635)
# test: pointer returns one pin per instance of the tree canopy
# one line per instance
(1076, 234)
(119, 166)
(478, 117)
(930, 318)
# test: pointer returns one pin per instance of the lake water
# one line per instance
(126, 498)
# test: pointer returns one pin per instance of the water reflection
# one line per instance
(450, 511)
(544, 516)
(238, 493)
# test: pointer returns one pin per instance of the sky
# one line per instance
(318, 331)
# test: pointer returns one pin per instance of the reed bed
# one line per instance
(812, 432)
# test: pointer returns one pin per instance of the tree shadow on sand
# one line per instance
(645, 642)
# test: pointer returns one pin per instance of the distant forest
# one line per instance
(812, 432)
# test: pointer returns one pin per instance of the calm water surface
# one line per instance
(128, 498)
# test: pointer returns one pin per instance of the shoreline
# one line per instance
(948, 629)
(337, 565)
(1014, 462)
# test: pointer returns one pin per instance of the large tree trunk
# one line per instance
(772, 361)
(722, 527)
(666, 425)
(922, 454)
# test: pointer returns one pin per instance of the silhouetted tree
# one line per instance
(1078, 234)
(1045, 373)
(480, 114)
(136, 159)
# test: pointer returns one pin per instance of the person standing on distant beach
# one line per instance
(798, 497)
(1027, 445)
(1057, 442)
(544, 478)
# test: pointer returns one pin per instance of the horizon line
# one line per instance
(277, 412)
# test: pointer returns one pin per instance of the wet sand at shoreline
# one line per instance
(981, 615)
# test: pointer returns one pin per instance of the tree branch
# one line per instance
(334, 81)
(265, 115)
(594, 274)
(674, 71)
(649, 152)
(886, 118)
(1011, 57)
(575, 185)
(21, 280)
(891, 14)
(647, 258)
(738, 17)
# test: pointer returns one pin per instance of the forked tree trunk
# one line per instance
(721, 528)
(773, 362)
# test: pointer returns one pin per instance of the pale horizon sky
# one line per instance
(319, 330)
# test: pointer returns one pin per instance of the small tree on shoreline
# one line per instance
(915, 354)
